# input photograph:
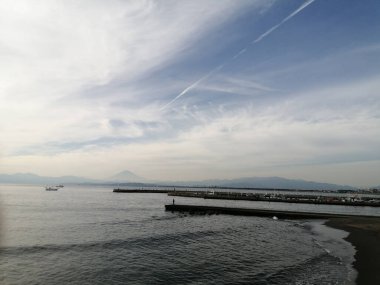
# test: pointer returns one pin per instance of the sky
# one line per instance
(191, 90)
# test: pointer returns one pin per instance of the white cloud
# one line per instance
(236, 85)
(60, 101)
(52, 50)
(251, 142)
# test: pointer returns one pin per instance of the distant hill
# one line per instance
(278, 182)
(30, 178)
(131, 178)
(126, 176)
(268, 182)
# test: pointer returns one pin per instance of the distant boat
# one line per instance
(51, 188)
(60, 186)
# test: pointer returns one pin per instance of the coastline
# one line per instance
(364, 235)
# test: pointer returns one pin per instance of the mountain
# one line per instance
(268, 182)
(278, 182)
(30, 178)
(126, 176)
(129, 177)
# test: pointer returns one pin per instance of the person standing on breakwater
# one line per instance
(173, 201)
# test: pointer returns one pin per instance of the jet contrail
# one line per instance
(193, 85)
(258, 39)
(303, 6)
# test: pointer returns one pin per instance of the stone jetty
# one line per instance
(194, 209)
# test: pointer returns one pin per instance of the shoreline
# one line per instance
(364, 235)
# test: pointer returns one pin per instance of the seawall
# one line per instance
(140, 191)
(256, 212)
(284, 198)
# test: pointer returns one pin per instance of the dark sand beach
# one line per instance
(364, 234)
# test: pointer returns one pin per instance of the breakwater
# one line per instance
(117, 190)
(280, 197)
(194, 209)
(315, 198)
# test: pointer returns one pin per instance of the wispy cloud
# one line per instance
(275, 27)
(53, 50)
(237, 85)
(89, 82)
(235, 56)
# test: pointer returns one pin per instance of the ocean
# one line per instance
(89, 235)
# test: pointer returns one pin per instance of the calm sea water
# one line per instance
(89, 235)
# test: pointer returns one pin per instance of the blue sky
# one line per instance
(183, 90)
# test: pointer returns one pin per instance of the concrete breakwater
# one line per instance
(280, 197)
(118, 190)
(315, 198)
(194, 209)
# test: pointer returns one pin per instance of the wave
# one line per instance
(311, 271)
(140, 242)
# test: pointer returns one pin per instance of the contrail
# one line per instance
(193, 85)
(303, 6)
(258, 39)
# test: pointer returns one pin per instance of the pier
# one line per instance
(117, 190)
(297, 197)
(193, 209)
(281, 197)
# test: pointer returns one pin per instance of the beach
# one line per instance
(364, 235)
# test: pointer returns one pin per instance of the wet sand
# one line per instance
(364, 234)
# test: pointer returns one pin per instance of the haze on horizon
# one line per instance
(191, 90)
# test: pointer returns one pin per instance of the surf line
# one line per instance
(242, 51)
